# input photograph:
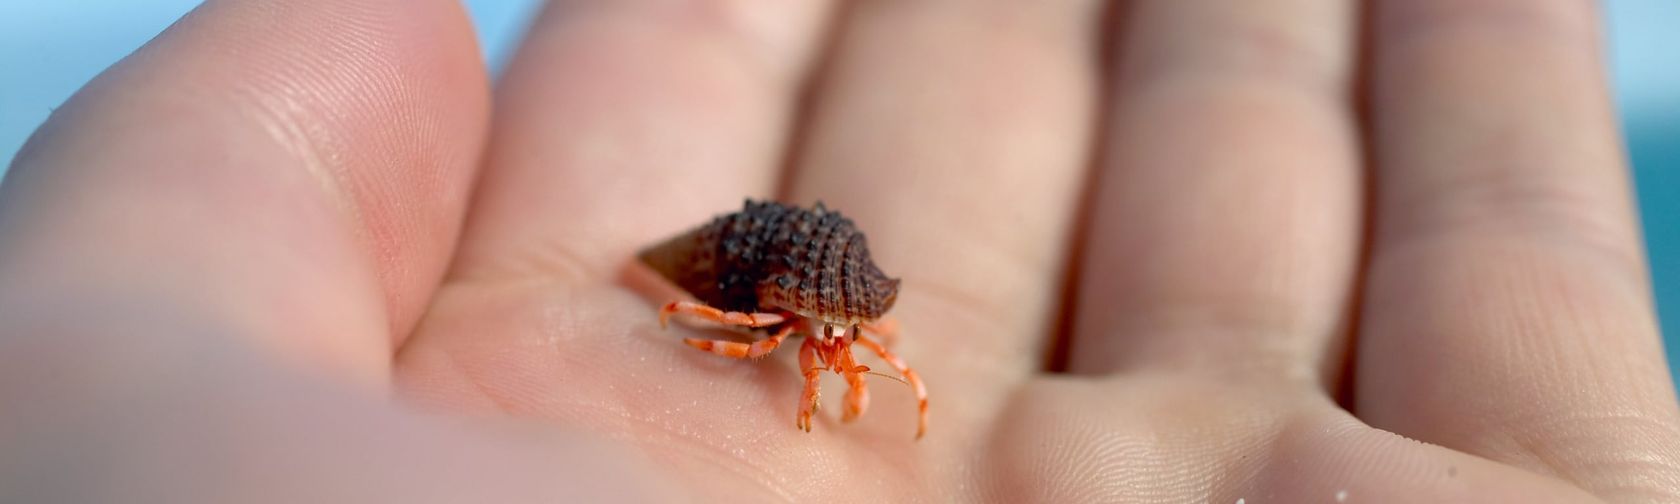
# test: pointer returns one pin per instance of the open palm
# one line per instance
(1153, 251)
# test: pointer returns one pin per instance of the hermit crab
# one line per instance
(788, 271)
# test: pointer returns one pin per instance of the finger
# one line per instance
(1508, 313)
(623, 122)
(1226, 217)
(295, 170)
(955, 133)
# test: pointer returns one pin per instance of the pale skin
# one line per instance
(289, 251)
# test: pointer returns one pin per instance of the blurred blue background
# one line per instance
(49, 48)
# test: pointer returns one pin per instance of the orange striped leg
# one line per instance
(884, 328)
(857, 397)
(698, 310)
(808, 398)
(909, 376)
(740, 350)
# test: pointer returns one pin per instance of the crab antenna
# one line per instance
(887, 376)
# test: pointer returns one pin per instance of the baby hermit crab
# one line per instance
(792, 272)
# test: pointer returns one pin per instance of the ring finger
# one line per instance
(1225, 223)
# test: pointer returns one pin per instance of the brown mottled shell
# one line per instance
(812, 262)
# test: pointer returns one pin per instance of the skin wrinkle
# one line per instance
(1560, 217)
(1270, 363)
(276, 116)
(1248, 54)
(1536, 441)
(1520, 319)
(1132, 455)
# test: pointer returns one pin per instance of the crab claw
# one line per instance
(857, 400)
(857, 396)
(665, 315)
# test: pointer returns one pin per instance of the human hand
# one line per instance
(218, 258)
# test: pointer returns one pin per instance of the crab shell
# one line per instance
(769, 256)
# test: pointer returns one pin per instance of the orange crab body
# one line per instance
(793, 272)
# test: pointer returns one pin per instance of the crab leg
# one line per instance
(740, 350)
(857, 396)
(909, 376)
(808, 399)
(713, 314)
